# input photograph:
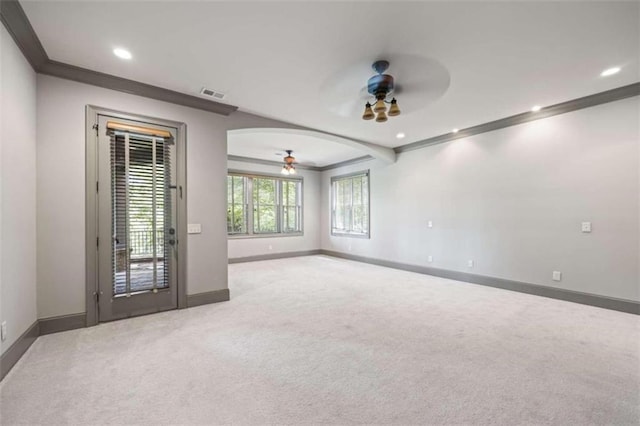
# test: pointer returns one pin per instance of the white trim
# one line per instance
(387, 155)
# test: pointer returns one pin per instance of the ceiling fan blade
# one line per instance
(418, 81)
(345, 92)
(347, 108)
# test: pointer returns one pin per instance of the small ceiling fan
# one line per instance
(288, 168)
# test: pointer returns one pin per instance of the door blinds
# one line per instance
(141, 211)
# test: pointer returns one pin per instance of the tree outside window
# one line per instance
(263, 205)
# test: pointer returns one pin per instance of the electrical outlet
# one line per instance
(586, 227)
(470, 263)
(270, 247)
(429, 259)
(430, 224)
(3, 331)
(557, 276)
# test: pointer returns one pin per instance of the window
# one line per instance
(236, 205)
(350, 205)
(263, 205)
(290, 206)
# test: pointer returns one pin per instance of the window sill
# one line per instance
(250, 236)
(350, 235)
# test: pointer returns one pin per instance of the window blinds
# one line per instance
(141, 211)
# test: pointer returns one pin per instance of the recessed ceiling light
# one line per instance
(400, 135)
(122, 53)
(536, 108)
(610, 71)
(454, 130)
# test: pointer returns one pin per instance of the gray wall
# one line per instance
(61, 189)
(18, 190)
(244, 247)
(513, 201)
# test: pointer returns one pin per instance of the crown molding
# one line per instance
(269, 162)
(347, 163)
(300, 166)
(17, 24)
(561, 108)
(108, 81)
(379, 152)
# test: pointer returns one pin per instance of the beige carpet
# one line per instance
(322, 340)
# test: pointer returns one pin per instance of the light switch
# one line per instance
(557, 276)
(586, 227)
(194, 228)
(430, 224)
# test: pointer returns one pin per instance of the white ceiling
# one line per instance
(308, 150)
(288, 60)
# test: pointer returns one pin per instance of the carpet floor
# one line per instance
(319, 340)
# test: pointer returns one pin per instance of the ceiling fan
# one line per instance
(288, 168)
(416, 81)
(381, 86)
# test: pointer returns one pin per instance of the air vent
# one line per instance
(213, 94)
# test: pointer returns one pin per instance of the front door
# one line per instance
(137, 255)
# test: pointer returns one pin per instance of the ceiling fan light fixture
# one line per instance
(288, 168)
(394, 109)
(380, 106)
(368, 112)
(381, 117)
(381, 86)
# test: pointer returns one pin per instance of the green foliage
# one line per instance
(264, 203)
(141, 188)
(235, 205)
(268, 195)
(235, 219)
